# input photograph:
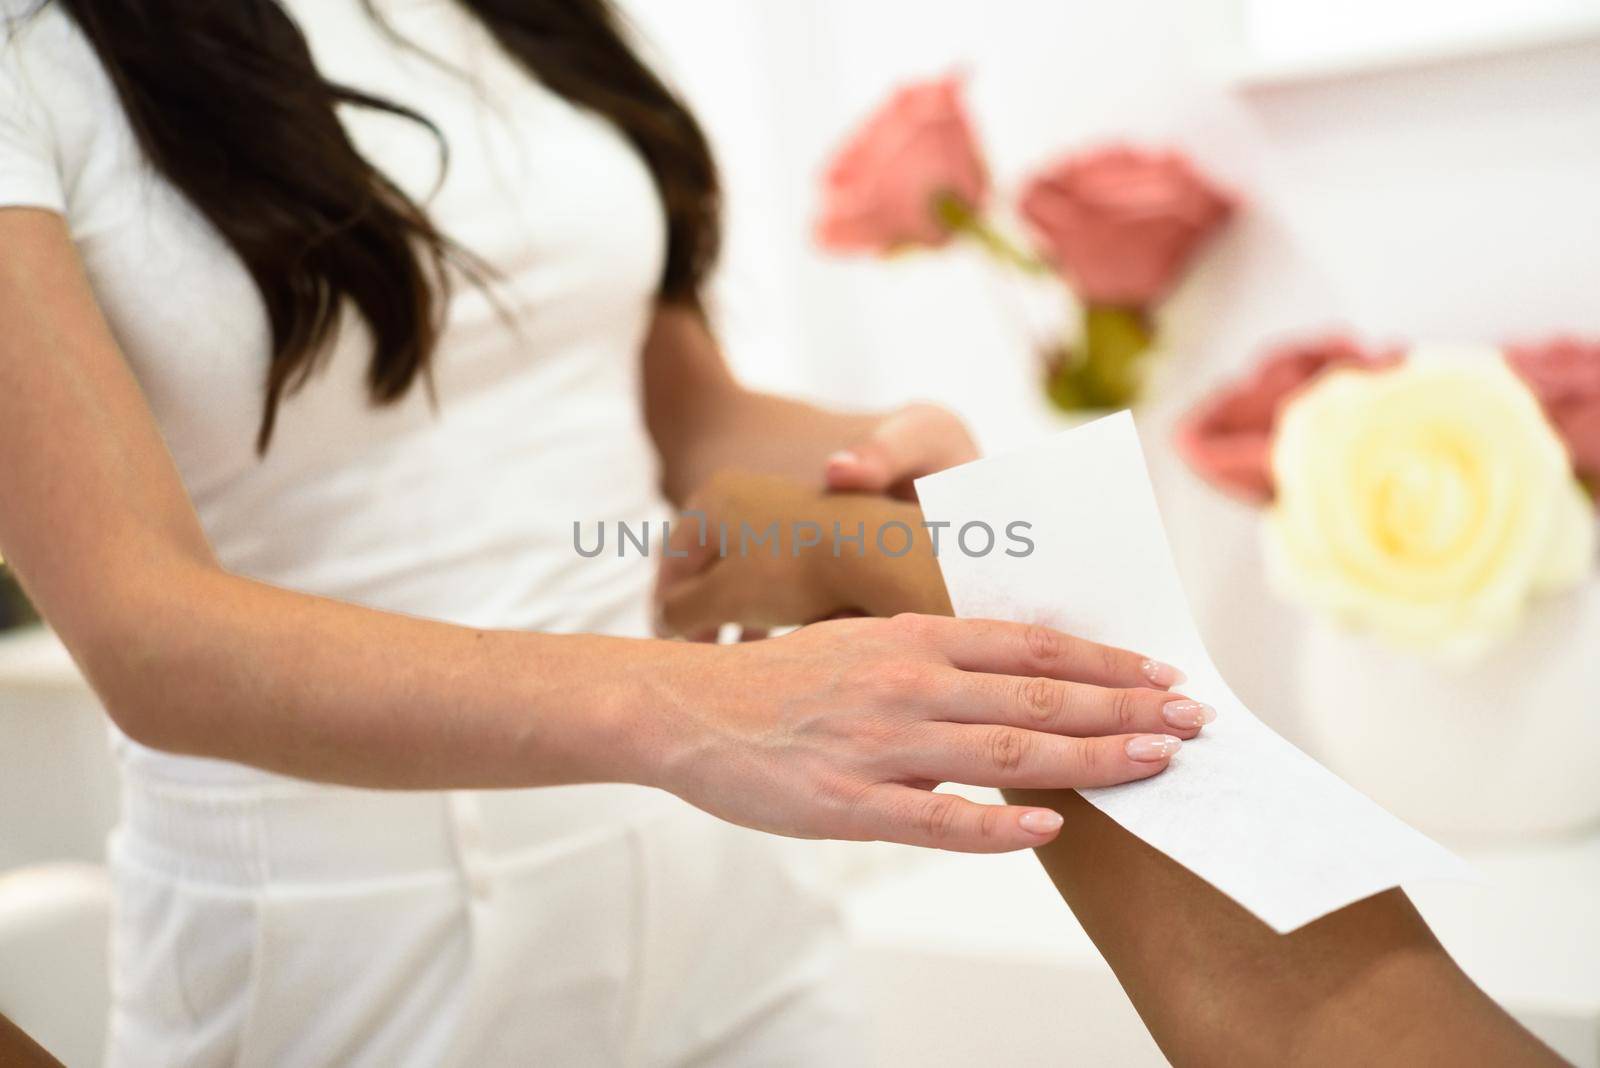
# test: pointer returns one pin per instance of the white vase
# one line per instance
(1494, 751)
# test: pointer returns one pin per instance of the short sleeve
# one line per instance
(30, 170)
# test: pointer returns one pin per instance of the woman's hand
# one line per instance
(842, 729)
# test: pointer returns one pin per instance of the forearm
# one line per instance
(1368, 984)
(220, 666)
(874, 581)
(17, 1050)
(703, 421)
(761, 433)
(187, 657)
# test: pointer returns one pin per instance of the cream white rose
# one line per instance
(1427, 503)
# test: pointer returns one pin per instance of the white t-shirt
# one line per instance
(462, 512)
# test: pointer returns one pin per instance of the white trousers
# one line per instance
(287, 923)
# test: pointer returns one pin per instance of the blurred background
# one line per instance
(1412, 170)
(1408, 170)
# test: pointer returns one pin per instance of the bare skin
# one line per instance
(1366, 985)
(17, 1050)
(703, 421)
(787, 736)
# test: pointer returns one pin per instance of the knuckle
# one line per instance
(989, 821)
(1109, 661)
(912, 626)
(1091, 760)
(1041, 699)
(892, 737)
(843, 800)
(861, 732)
(1044, 644)
(851, 632)
(1125, 705)
(900, 683)
(938, 816)
(1008, 749)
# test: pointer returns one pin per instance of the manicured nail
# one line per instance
(1160, 674)
(1150, 747)
(1040, 821)
(1186, 715)
(843, 456)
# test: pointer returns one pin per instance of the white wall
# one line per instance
(1460, 200)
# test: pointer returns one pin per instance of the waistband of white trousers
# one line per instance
(286, 831)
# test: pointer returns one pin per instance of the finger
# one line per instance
(701, 604)
(866, 468)
(915, 441)
(1030, 649)
(684, 558)
(1009, 756)
(700, 635)
(894, 813)
(689, 550)
(753, 634)
(1072, 708)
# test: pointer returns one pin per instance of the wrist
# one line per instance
(892, 574)
(651, 717)
(599, 715)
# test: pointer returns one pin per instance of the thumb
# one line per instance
(867, 467)
(915, 441)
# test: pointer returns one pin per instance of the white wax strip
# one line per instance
(1239, 806)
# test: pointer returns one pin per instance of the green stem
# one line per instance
(1107, 372)
(958, 217)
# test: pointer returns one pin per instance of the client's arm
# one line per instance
(703, 419)
(17, 1050)
(1368, 984)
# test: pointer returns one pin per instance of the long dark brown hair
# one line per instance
(228, 106)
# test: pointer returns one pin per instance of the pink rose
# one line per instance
(1121, 223)
(1564, 374)
(882, 189)
(1227, 438)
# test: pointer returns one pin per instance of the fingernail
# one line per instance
(1161, 674)
(1040, 821)
(1186, 715)
(1150, 747)
(843, 456)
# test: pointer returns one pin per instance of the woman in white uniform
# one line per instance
(297, 414)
